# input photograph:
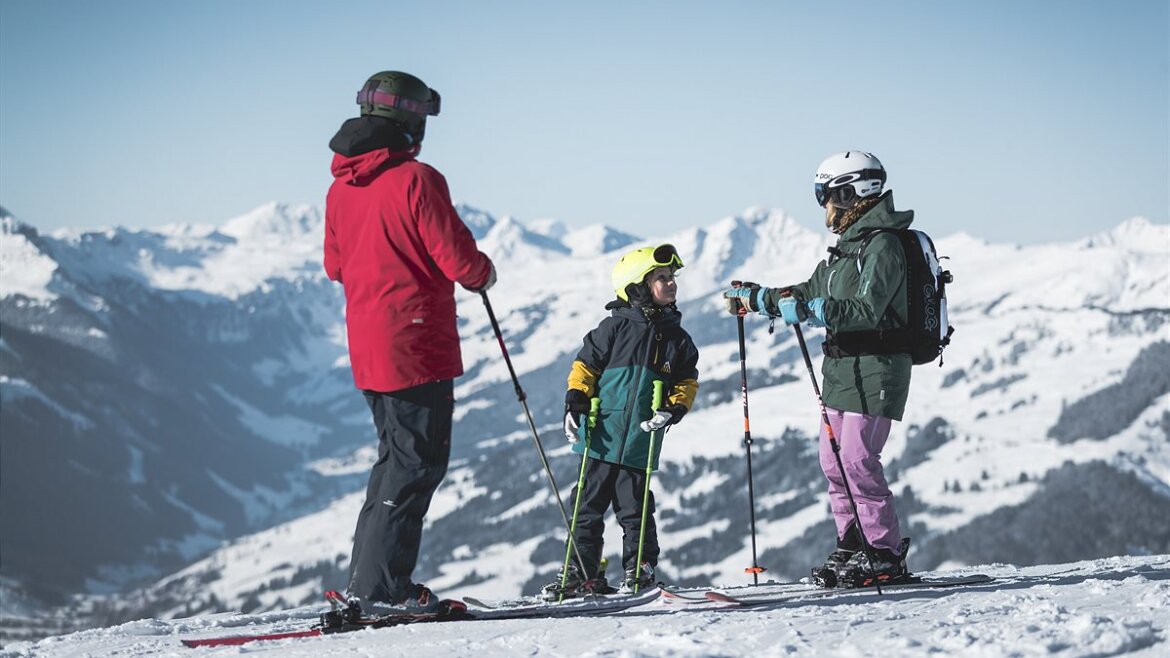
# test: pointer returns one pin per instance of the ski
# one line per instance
(685, 596)
(527, 607)
(473, 602)
(451, 611)
(506, 604)
(245, 639)
(794, 591)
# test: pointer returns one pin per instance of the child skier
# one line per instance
(640, 342)
(866, 371)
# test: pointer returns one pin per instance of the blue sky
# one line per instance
(1012, 121)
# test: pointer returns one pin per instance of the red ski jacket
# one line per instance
(396, 244)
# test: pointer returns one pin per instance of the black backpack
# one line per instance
(927, 331)
(926, 289)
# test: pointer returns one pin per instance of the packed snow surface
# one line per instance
(1110, 607)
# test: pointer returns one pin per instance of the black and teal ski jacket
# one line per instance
(618, 363)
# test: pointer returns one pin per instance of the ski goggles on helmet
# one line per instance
(375, 97)
(843, 185)
(667, 256)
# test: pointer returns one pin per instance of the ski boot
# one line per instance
(344, 612)
(570, 585)
(565, 585)
(887, 568)
(638, 579)
(421, 601)
(827, 575)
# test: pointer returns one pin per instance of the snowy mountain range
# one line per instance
(180, 433)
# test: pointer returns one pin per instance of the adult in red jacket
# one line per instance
(396, 244)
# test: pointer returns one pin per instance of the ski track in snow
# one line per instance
(1117, 606)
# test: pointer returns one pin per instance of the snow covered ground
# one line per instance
(1116, 606)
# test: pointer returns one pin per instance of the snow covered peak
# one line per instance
(1137, 234)
(596, 239)
(956, 243)
(509, 239)
(479, 221)
(281, 241)
(274, 222)
(24, 269)
(767, 246)
(552, 228)
(10, 225)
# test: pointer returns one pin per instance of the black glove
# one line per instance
(677, 411)
(576, 404)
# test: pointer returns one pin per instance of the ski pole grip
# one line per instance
(736, 284)
(594, 406)
(657, 400)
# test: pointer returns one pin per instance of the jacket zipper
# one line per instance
(630, 405)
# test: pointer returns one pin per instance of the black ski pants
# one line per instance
(414, 446)
(621, 487)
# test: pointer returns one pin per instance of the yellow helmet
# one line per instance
(635, 265)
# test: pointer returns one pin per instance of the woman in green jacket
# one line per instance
(866, 372)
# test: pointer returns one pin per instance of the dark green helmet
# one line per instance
(402, 98)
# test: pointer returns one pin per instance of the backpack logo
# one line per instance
(666, 368)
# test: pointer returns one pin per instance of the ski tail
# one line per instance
(344, 620)
(247, 639)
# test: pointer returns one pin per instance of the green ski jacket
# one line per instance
(869, 299)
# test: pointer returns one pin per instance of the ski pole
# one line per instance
(594, 405)
(532, 426)
(755, 570)
(836, 453)
(656, 403)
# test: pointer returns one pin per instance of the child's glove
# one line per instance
(663, 417)
(576, 403)
(571, 427)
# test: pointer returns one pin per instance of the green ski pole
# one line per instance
(594, 405)
(657, 402)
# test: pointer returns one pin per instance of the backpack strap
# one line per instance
(865, 243)
(868, 342)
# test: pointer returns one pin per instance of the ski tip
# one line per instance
(334, 596)
(720, 597)
(452, 607)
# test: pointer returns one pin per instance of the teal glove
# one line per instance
(795, 311)
(816, 312)
(744, 298)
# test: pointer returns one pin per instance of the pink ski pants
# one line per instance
(861, 439)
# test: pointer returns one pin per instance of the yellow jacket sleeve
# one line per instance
(684, 393)
(583, 379)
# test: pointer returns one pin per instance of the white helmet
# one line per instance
(846, 177)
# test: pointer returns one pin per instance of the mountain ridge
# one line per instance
(236, 332)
